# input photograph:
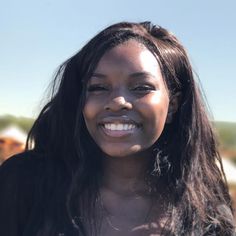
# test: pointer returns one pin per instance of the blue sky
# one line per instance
(36, 36)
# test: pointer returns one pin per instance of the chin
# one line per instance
(122, 152)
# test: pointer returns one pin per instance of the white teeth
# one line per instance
(130, 126)
(119, 126)
(111, 126)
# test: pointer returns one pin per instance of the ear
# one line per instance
(173, 107)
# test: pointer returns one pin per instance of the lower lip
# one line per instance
(118, 133)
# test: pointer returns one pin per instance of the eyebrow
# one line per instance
(133, 75)
(142, 74)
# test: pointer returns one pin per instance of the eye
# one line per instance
(143, 88)
(96, 88)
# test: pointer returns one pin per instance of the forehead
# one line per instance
(130, 55)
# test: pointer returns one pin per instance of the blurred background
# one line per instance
(36, 37)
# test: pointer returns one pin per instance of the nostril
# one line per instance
(106, 108)
(115, 105)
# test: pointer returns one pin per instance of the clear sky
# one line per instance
(36, 36)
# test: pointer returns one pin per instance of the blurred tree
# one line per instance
(227, 134)
(23, 122)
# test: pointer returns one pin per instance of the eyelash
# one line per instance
(143, 88)
(94, 88)
(138, 88)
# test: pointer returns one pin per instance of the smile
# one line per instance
(119, 127)
(118, 130)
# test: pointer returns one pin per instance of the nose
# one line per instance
(118, 103)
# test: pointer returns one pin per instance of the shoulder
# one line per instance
(26, 163)
(19, 175)
(26, 180)
(19, 167)
(23, 159)
(28, 170)
(17, 181)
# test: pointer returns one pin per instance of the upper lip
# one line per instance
(118, 120)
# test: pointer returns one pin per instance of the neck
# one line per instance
(125, 175)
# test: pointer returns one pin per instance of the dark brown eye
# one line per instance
(143, 88)
(95, 88)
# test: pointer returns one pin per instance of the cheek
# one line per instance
(89, 116)
(155, 106)
(87, 113)
(154, 109)
(90, 109)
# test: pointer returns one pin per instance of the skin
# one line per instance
(127, 87)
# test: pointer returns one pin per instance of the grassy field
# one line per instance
(227, 134)
(227, 137)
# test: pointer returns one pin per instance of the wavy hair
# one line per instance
(187, 153)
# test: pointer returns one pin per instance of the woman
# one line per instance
(123, 147)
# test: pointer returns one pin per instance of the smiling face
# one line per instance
(127, 101)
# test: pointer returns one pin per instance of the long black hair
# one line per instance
(187, 153)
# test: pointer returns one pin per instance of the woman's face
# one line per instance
(127, 101)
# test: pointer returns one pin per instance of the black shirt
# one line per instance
(30, 185)
(33, 190)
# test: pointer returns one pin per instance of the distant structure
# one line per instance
(12, 141)
(230, 174)
(230, 171)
